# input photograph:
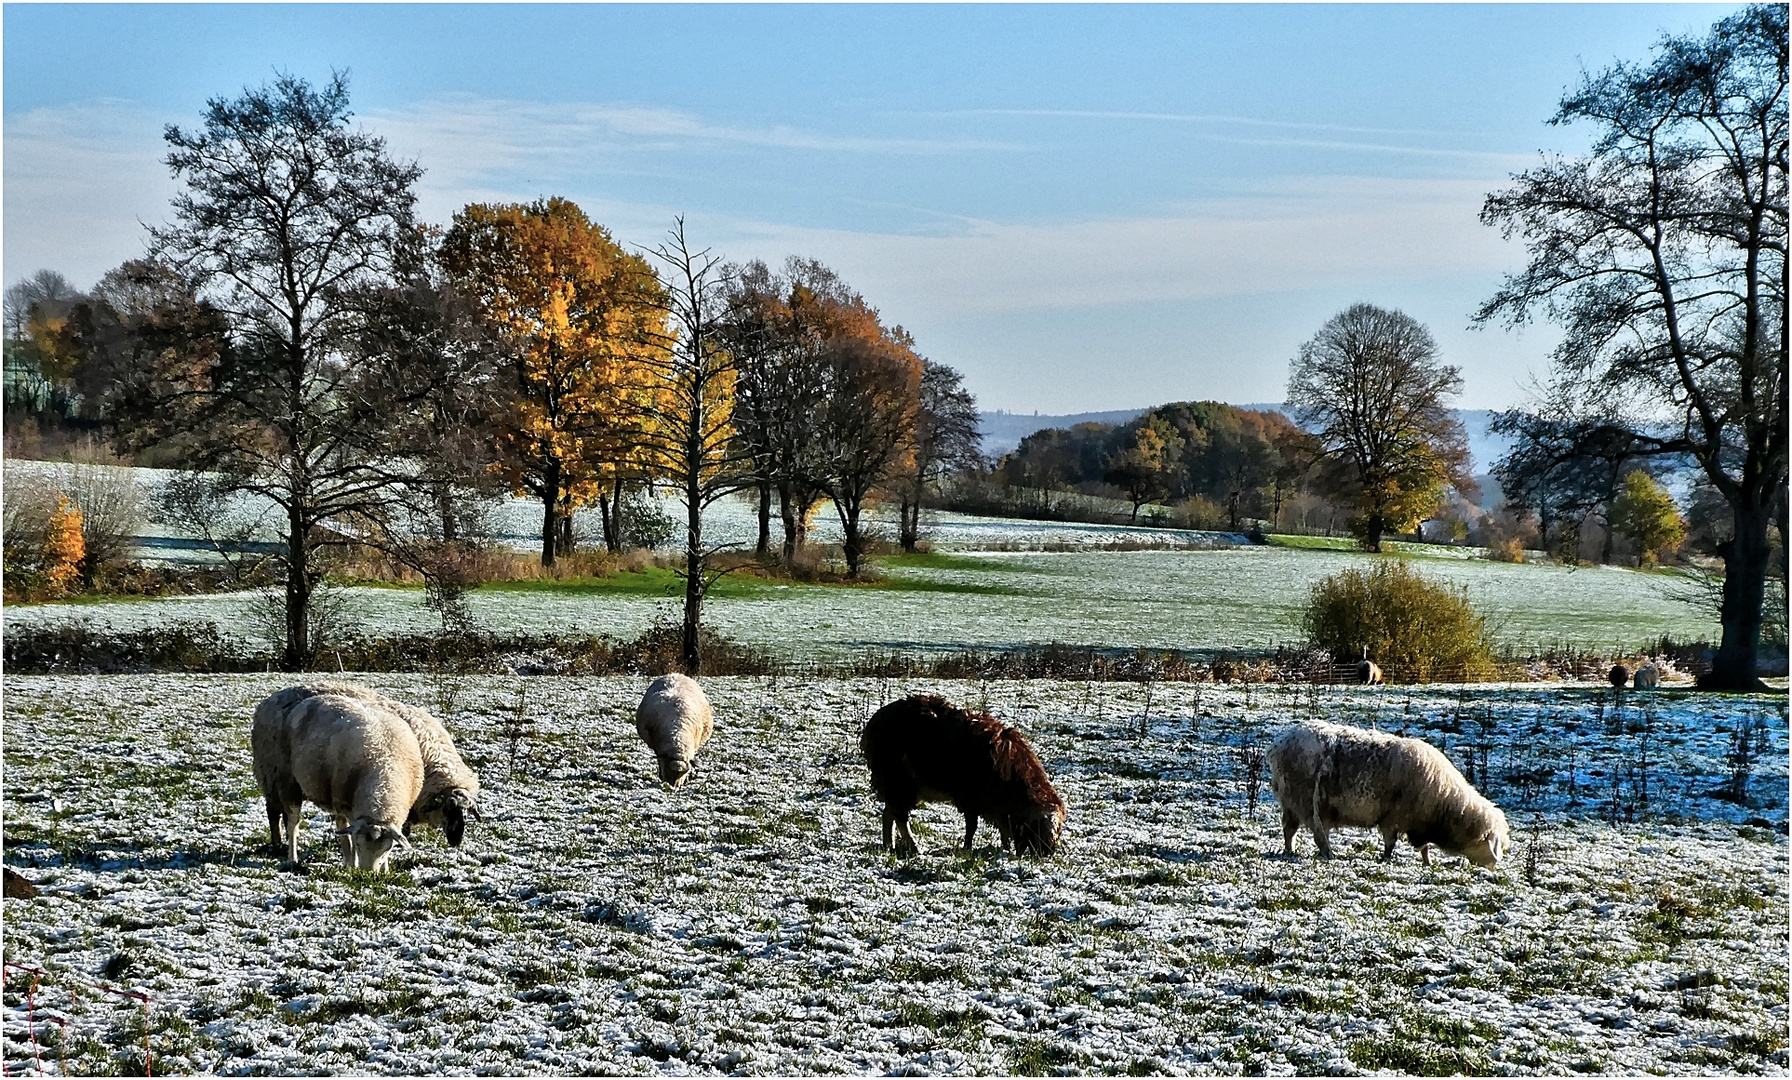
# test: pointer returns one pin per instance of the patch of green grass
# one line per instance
(934, 560)
(1427, 1045)
(650, 581)
(1313, 543)
(1763, 1043)
(657, 581)
(1042, 1057)
(912, 970)
(905, 583)
(959, 1028)
(1290, 900)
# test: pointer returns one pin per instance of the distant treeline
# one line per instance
(1214, 465)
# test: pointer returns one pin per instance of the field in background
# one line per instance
(1233, 599)
(595, 923)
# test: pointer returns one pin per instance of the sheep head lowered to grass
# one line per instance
(354, 758)
(1329, 775)
(925, 749)
(674, 720)
(450, 794)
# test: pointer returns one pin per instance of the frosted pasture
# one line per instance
(748, 923)
(516, 522)
(1237, 598)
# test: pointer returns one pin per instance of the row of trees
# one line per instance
(295, 334)
(1245, 462)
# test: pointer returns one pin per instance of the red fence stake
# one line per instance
(74, 1002)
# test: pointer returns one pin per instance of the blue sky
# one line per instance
(1081, 207)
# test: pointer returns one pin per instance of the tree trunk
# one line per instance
(1745, 582)
(298, 596)
(1232, 501)
(693, 557)
(550, 527)
(445, 508)
(909, 522)
(1372, 541)
(853, 546)
(787, 510)
(612, 542)
(764, 547)
(550, 510)
(563, 545)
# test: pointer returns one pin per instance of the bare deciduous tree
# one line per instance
(1663, 255)
(1370, 386)
(689, 431)
(287, 218)
(947, 438)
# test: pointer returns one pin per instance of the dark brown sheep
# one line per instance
(1618, 675)
(925, 749)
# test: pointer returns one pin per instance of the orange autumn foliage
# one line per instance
(64, 547)
(582, 317)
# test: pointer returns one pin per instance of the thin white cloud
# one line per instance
(517, 131)
(1311, 143)
(1198, 118)
(1301, 235)
(79, 181)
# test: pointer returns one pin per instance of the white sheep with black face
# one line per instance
(450, 789)
(674, 720)
(356, 759)
(1327, 776)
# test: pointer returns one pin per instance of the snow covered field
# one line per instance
(1242, 598)
(595, 923)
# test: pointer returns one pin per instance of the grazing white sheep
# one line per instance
(354, 758)
(1329, 775)
(674, 720)
(1647, 677)
(450, 789)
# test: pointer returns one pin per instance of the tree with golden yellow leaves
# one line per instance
(581, 317)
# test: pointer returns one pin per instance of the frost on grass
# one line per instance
(595, 923)
(1249, 598)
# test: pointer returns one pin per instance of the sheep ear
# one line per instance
(399, 839)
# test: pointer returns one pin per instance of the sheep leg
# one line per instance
(889, 825)
(345, 842)
(1388, 839)
(970, 828)
(906, 843)
(290, 817)
(1425, 854)
(276, 813)
(1290, 826)
(1322, 840)
(1007, 835)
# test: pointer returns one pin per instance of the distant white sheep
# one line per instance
(354, 758)
(674, 720)
(450, 789)
(1647, 677)
(1328, 775)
